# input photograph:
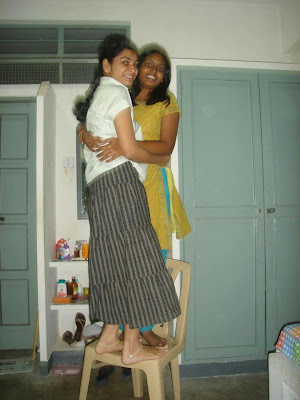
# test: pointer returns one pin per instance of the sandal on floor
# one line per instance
(80, 322)
(68, 337)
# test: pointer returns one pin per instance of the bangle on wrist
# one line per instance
(80, 135)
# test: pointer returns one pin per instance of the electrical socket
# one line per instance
(68, 162)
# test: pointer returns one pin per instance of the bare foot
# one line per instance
(153, 340)
(144, 353)
(102, 347)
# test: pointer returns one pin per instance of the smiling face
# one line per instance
(123, 68)
(152, 71)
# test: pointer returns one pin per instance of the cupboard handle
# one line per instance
(1, 220)
(270, 210)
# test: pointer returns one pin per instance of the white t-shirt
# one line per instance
(110, 98)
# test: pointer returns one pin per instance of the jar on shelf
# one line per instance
(61, 288)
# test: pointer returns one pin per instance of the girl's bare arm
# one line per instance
(110, 149)
(130, 147)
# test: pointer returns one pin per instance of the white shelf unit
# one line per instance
(66, 312)
(65, 270)
(60, 345)
(72, 306)
(68, 263)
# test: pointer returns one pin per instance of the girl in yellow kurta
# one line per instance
(157, 111)
(150, 117)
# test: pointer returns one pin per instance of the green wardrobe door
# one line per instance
(222, 186)
(280, 104)
(18, 280)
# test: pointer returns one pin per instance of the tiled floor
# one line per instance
(29, 386)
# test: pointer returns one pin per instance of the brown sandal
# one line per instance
(80, 322)
(68, 337)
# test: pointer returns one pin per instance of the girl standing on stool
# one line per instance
(128, 280)
(157, 111)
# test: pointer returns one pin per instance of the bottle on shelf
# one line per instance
(76, 251)
(62, 252)
(67, 255)
(80, 290)
(61, 242)
(73, 288)
(85, 249)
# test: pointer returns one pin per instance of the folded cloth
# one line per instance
(92, 329)
(289, 342)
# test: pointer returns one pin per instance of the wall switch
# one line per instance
(68, 162)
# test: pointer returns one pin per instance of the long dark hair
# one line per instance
(110, 48)
(160, 93)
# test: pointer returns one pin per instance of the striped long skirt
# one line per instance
(129, 282)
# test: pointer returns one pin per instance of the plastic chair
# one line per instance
(153, 369)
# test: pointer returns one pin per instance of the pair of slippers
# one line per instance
(79, 322)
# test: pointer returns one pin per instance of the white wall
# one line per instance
(67, 224)
(214, 29)
(238, 33)
(290, 27)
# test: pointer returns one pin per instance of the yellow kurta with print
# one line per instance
(149, 117)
